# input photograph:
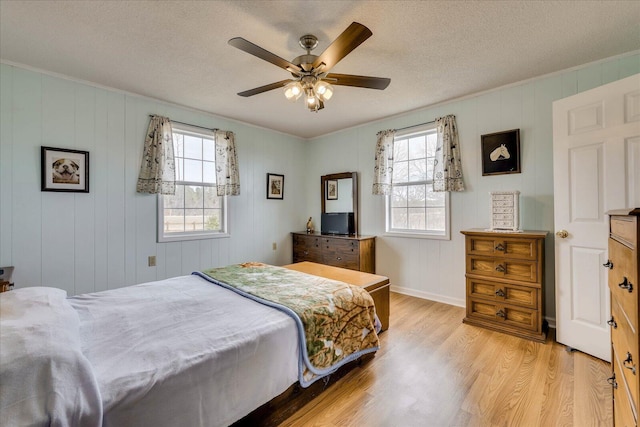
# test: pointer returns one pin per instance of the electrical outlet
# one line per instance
(274, 246)
(152, 261)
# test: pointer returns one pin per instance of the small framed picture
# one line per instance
(275, 186)
(501, 152)
(64, 170)
(332, 189)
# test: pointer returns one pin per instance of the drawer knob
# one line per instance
(500, 268)
(626, 284)
(608, 264)
(612, 323)
(306, 252)
(339, 258)
(500, 293)
(501, 313)
(563, 234)
(612, 381)
(627, 363)
(499, 247)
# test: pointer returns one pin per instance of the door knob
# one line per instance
(563, 234)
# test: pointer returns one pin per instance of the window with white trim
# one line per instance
(195, 211)
(413, 208)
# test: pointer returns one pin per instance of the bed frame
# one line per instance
(280, 408)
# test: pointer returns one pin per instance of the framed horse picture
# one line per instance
(501, 152)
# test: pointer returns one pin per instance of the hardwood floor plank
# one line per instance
(433, 370)
(592, 404)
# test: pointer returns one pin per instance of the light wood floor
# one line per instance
(432, 370)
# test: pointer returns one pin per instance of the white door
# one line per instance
(596, 167)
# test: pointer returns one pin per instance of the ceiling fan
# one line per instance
(310, 73)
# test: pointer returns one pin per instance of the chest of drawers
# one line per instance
(354, 253)
(623, 279)
(504, 282)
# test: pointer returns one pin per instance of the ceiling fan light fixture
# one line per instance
(311, 98)
(324, 90)
(309, 70)
(293, 91)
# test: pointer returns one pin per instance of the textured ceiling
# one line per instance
(433, 51)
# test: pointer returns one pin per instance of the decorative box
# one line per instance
(505, 211)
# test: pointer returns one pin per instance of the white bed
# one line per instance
(195, 354)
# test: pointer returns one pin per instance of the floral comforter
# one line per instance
(335, 320)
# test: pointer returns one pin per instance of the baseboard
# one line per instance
(551, 321)
(428, 295)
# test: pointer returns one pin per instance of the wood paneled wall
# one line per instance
(434, 269)
(102, 240)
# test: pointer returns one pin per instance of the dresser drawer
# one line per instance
(341, 253)
(522, 296)
(624, 228)
(623, 406)
(512, 269)
(306, 248)
(518, 317)
(623, 279)
(303, 254)
(306, 242)
(341, 245)
(625, 345)
(338, 259)
(504, 247)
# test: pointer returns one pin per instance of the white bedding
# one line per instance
(175, 352)
(44, 377)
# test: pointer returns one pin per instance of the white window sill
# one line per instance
(410, 235)
(192, 236)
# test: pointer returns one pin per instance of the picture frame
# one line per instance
(64, 170)
(501, 152)
(332, 189)
(275, 186)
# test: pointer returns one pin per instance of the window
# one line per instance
(195, 211)
(413, 209)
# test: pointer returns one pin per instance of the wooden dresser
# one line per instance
(624, 280)
(354, 253)
(504, 275)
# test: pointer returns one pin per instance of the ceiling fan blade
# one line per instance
(350, 38)
(261, 53)
(357, 81)
(264, 88)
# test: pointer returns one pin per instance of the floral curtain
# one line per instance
(227, 175)
(447, 167)
(157, 170)
(383, 169)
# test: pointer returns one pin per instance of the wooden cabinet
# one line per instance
(504, 282)
(354, 253)
(624, 280)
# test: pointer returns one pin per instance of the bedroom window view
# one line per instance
(413, 207)
(195, 211)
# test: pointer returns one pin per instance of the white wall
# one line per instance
(101, 240)
(434, 269)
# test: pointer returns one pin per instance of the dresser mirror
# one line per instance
(339, 194)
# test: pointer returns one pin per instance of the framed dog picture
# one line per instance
(275, 186)
(501, 152)
(64, 170)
